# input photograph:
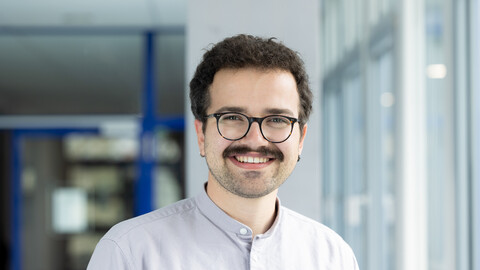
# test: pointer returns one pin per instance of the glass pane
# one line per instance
(475, 133)
(170, 79)
(476, 174)
(169, 184)
(73, 190)
(75, 187)
(62, 74)
(440, 141)
(354, 165)
(332, 168)
(383, 184)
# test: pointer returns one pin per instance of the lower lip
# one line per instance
(250, 166)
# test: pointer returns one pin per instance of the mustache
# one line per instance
(263, 150)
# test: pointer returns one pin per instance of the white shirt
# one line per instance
(196, 234)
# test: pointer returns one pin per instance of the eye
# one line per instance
(232, 117)
(278, 121)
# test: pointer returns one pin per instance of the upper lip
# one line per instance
(250, 159)
(252, 154)
(262, 152)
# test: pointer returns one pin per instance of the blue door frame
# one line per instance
(146, 159)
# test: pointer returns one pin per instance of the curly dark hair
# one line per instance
(246, 51)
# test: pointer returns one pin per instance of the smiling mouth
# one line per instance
(253, 160)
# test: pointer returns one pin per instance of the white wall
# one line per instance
(296, 24)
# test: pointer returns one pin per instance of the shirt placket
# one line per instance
(256, 251)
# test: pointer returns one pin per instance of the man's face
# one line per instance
(251, 167)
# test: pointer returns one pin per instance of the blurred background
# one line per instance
(95, 122)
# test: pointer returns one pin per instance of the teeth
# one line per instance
(244, 159)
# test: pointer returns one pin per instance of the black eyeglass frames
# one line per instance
(234, 126)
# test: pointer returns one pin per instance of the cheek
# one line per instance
(214, 143)
(292, 144)
(289, 149)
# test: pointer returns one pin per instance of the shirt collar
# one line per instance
(222, 220)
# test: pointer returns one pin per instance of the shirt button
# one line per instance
(243, 231)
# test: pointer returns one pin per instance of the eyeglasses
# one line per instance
(234, 126)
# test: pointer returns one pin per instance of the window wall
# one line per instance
(359, 128)
(440, 131)
(400, 131)
(472, 10)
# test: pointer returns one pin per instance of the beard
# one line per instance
(250, 183)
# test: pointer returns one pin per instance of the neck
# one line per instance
(257, 213)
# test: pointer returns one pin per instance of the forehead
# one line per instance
(256, 91)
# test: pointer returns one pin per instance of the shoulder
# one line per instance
(155, 218)
(129, 243)
(291, 216)
(312, 229)
(319, 239)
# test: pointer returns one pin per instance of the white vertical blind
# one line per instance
(412, 244)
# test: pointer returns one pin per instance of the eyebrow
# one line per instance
(231, 109)
(266, 111)
(279, 111)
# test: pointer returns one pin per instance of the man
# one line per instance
(251, 100)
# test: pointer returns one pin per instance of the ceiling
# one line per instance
(142, 13)
(87, 57)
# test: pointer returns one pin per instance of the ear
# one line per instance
(302, 138)
(200, 136)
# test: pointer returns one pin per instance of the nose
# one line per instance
(255, 136)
